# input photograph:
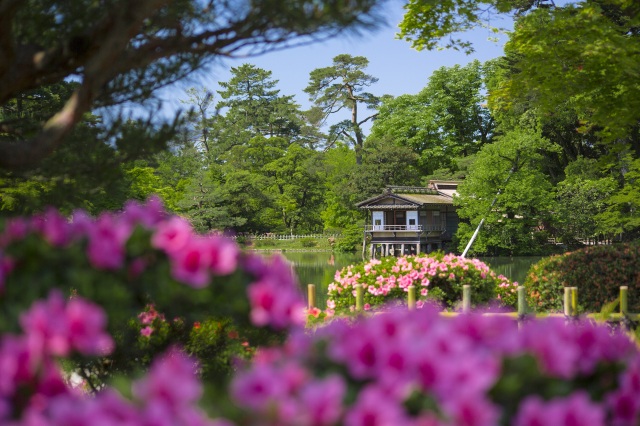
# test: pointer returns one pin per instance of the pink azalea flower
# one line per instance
(172, 235)
(54, 227)
(172, 380)
(576, 409)
(191, 264)
(107, 238)
(147, 215)
(374, 407)
(322, 401)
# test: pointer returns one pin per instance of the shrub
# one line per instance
(266, 243)
(597, 271)
(350, 239)
(127, 262)
(420, 368)
(400, 368)
(437, 275)
(308, 242)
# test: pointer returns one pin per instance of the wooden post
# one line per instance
(359, 297)
(466, 298)
(567, 302)
(522, 301)
(311, 296)
(624, 300)
(411, 297)
(574, 300)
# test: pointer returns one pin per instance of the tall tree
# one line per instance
(509, 170)
(448, 119)
(121, 50)
(255, 107)
(342, 86)
(201, 101)
(581, 201)
(586, 53)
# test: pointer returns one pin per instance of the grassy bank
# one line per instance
(309, 243)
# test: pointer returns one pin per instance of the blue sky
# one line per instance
(399, 68)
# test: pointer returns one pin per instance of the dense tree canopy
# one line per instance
(121, 50)
(447, 120)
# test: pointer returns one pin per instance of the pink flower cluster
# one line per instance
(194, 259)
(33, 391)
(274, 296)
(389, 278)
(147, 317)
(419, 368)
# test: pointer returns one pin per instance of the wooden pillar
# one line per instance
(624, 300)
(401, 249)
(311, 296)
(466, 298)
(417, 249)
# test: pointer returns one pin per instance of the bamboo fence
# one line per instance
(522, 313)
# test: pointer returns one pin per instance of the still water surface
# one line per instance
(319, 268)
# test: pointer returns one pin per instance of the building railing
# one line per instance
(405, 228)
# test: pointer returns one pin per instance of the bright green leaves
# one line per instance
(447, 120)
(511, 165)
(586, 54)
(428, 22)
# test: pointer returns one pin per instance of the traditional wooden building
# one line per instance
(411, 220)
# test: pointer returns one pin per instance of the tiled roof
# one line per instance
(427, 198)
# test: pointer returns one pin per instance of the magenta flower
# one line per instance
(574, 410)
(374, 407)
(87, 323)
(223, 255)
(274, 297)
(322, 401)
(171, 380)
(147, 215)
(190, 264)
(107, 238)
(58, 327)
(172, 235)
(53, 227)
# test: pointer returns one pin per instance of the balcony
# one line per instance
(403, 228)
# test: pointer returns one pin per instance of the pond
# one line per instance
(319, 268)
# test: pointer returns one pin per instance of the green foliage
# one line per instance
(592, 72)
(622, 212)
(510, 166)
(308, 242)
(351, 239)
(121, 52)
(447, 120)
(597, 271)
(253, 107)
(386, 280)
(580, 198)
(429, 21)
(143, 280)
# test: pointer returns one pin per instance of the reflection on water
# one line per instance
(319, 268)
